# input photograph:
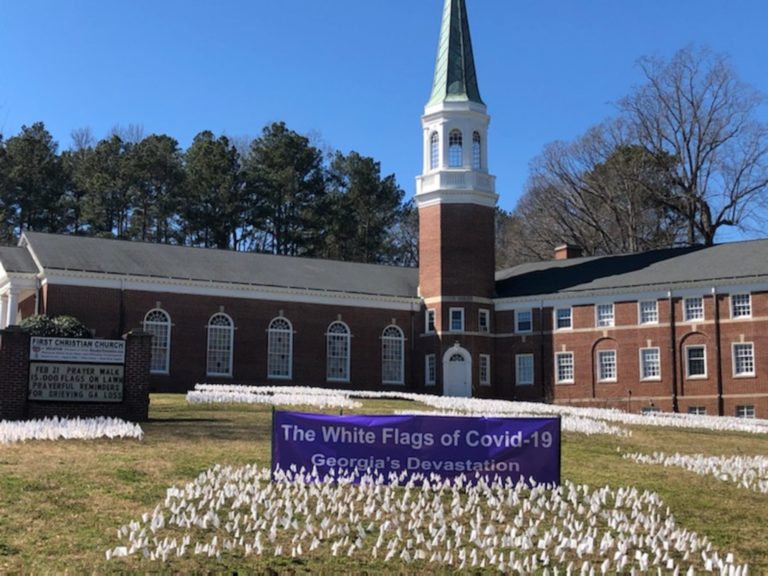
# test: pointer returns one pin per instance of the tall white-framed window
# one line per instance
(648, 312)
(434, 151)
(485, 370)
(338, 340)
(392, 357)
(693, 309)
(564, 368)
(523, 321)
(697, 410)
(741, 306)
(743, 354)
(745, 411)
(563, 318)
(280, 349)
(457, 319)
(221, 340)
(429, 321)
(604, 315)
(430, 370)
(158, 323)
(484, 320)
(455, 149)
(650, 364)
(696, 361)
(606, 365)
(524, 369)
(477, 158)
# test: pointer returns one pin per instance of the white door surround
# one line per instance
(457, 372)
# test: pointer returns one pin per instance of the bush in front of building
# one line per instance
(58, 326)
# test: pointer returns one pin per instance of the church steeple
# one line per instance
(455, 77)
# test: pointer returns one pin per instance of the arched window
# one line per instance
(158, 323)
(434, 151)
(392, 360)
(337, 352)
(280, 349)
(455, 150)
(477, 157)
(221, 331)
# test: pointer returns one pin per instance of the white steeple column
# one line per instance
(3, 310)
(13, 305)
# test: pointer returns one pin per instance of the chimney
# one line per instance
(567, 251)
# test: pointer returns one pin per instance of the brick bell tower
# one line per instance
(456, 200)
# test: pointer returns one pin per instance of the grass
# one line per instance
(62, 502)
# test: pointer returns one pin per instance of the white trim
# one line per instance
(400, 340)
(427, 380)
(426, 321)
(487, 313)
(640, 313)
(347, 368)
(732, 307)
(733, 360)
(641, 364)
(289, 333)
(450, 319)
(600, 355)
(484, 358)
(224, 290)
(688, 362)
(517, 321)
(555, 327)
(573, 367)
(230, 329)
(518, 357)
(611, 320)
(688, 320)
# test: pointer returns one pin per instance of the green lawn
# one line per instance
(61, 503)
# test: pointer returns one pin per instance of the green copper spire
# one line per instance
(455, 77)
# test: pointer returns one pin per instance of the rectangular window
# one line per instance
(696, 361)
(746, 411)
(697, 410)
(484, 321)
(650, 364)
(429, 326)
(743, 359)
(563, 318)
(649, 312)
(741, 306)
(606, 365)
(564, 367)
(604, 315)
(523, 321)
(693, 309)
(430, 370)
(457, 319)
(524, 369)
(485, 370)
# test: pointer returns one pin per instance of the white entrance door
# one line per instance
(457, 373)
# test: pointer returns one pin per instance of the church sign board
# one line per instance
(76, 370)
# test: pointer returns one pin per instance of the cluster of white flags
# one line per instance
(574, 419)
(750, 472)
(454, 524)
(68, 429)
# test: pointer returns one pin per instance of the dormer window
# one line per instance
(455, 149)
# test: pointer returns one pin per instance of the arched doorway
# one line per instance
(457, 373)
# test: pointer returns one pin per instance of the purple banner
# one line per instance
(449, 446)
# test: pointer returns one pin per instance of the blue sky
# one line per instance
(354, 73)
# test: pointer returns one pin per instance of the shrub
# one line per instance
(61, 326)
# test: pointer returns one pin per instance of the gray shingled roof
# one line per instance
(17, 260)
(120, 257)
(733, 263)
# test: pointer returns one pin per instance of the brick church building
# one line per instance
(677, 330)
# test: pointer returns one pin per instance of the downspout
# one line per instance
(718, 358)
(673, 350)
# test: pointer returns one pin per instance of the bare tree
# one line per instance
(695, 109)
(599, 192)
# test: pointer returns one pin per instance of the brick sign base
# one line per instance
(14, 383)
